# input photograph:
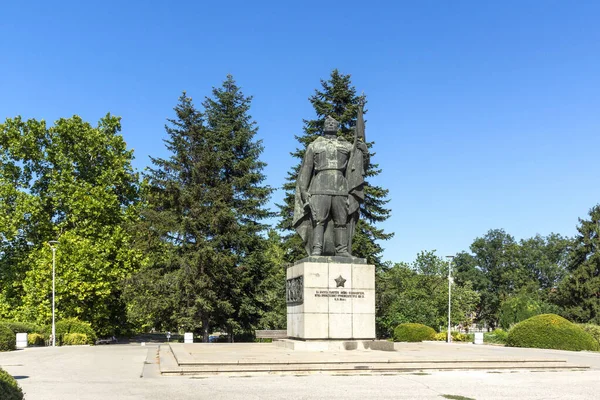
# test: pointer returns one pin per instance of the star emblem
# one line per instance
(339, 281)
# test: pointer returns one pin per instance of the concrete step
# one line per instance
(169, 366)
(357, 369)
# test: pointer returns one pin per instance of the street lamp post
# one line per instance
(450, 258)
(53, 244)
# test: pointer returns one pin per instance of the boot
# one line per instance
(341, 242)
(317, 248)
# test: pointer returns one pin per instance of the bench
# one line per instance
(107, 341)
(270, 334)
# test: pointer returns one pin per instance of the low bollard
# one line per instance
(21, 340)
(478, 338)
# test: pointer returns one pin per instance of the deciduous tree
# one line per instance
(418, 292)
(74, 183)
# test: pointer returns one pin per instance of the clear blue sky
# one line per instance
(485, 114)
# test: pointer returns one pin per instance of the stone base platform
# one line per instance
(249, 359)
(334, 345)
(328, 299)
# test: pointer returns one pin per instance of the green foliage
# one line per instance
(74, 339)
(201, 222)
(75, 183)
(20, 327)
(410, 332)
(516, 309)
(9, 388)
(8, 340)
(497, 336)
(36, 339)
(270, 291)
(496, 255)
(500, 267)
(522, 305)
(337, 97)
(550, 331)
(579, 292)
(456, 337)
(463, 337)
(419, 293)
(72, 325)
(545, 259)
(593, 330)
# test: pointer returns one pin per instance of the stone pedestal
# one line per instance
(331, 298)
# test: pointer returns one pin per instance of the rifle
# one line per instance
(359, 129)
(355, 173)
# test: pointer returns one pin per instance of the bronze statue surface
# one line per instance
(329, 191)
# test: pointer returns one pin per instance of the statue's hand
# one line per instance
(362, 147)
(305, 198)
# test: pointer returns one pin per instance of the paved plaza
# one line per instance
(124, 372)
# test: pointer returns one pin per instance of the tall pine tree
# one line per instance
(337, 97)
(579, 291)
(203, 218)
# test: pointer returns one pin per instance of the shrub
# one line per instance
(456, 337)
(22, 327)
(413, 333)
(8, 340)
(498, 336)
(74, 339)
(9, 388)
(463, 337)
(35, 339)
(593, 330)
(72, 325)
(550, 331)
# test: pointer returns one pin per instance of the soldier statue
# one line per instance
(329, 190)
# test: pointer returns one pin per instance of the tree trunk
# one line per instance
(205, 330)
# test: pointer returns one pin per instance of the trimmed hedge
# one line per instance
(8, 339)
(9, 388)
(72, 325)
(34, 335)
(22, 327)
(550, 331)
(74, 339)
(593, 330)
(413, 333)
